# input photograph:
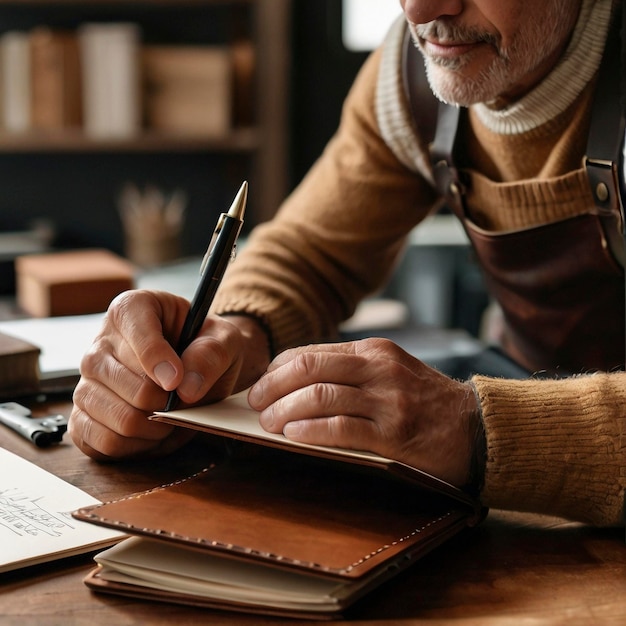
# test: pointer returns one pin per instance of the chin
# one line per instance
(455, 87)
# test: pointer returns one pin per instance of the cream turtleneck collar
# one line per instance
(564, 84)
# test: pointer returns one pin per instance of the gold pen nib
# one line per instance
(236, 211)
(238, 207)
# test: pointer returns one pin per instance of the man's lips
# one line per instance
(449, 49)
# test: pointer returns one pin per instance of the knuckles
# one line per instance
(380, 347)
(217, 353)
(149, 396)
(127, 302)
(306, 364)
(92, 359)
(322, 395)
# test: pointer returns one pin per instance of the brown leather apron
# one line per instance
(559, 286)
(561, 293)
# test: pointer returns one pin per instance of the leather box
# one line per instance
(70, 283)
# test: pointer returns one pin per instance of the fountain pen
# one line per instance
(221, 250)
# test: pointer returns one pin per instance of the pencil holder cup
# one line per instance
(153, 224)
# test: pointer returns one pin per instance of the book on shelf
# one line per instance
(274, 527)
(101, 78)
(15, 64)
(244, 62)
(110, 54)
(188, 89)
(40, 72)
(56, 90)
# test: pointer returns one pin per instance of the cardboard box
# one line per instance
(71, 283)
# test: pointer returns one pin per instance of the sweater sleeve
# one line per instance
(336, 238)
(556, 446)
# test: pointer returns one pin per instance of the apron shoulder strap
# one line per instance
(436, 122)
(606, 132)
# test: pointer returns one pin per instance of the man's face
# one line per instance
(489, 50)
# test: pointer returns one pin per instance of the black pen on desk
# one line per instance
(219, 253)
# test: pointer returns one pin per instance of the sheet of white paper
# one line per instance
(235, 415)
(35, 516)
(62, 340)
(165, 566)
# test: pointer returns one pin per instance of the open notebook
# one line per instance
(36, 525)
(274, 527)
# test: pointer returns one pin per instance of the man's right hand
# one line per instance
(131, 367)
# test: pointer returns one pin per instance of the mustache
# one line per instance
(441, 31)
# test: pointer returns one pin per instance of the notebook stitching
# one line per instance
(87, 513)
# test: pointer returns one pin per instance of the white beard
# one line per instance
(536, 39)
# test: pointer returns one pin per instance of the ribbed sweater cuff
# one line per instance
(556, 446)
(284, 324)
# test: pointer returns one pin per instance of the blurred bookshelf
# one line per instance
(236, 129)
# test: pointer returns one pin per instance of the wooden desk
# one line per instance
(512, 570)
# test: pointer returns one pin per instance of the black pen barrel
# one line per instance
(216, 265)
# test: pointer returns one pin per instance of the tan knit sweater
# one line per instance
(555, 447)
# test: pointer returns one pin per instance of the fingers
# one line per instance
(324, 414)
(104, 426)
(131, 367)
(338, 431)
(102, 444)
(373, 347)
(297, 368)
(134, 350)
(368, 395)
(319, 400)
(139, 329)
(212, 362)
(101, 366)
(357, 363)
(117, 415)
(313, 393)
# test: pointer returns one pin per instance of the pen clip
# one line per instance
(209, 250)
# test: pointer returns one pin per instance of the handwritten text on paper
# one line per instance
(22, 514)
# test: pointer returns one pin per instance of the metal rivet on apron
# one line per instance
(602, 192)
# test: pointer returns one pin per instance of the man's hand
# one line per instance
(131, 368)
(371, 395)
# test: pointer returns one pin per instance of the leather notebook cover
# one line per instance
(352, 523)
(233, 419)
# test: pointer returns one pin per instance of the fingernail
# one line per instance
(165, 374)
(266, 419)
(252, 398)
(255, 395)
(292, 430)
(191, 384)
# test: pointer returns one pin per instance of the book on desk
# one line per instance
(42, 355)
(275, 527)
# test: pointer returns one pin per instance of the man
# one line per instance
(526, 71)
